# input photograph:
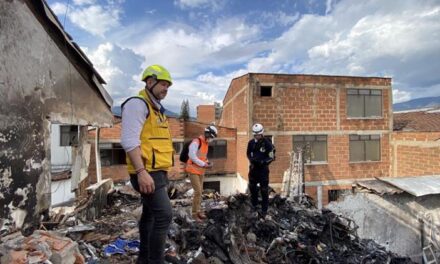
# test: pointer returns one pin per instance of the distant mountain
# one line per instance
(417, 103)
(118, 112)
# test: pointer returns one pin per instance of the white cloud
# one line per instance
(120, 68)
(84, 2)
(328, 6)
(189, 4)
(400, 96)
(271, 19)
(95, 19)
(187, 51)
(59, 9)
(367, 38)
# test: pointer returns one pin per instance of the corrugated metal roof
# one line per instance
(379, 187)
(417, 186)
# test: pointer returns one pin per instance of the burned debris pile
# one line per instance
(234, 232)
(290, 233)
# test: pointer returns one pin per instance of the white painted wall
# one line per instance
(228, 184)
(61, 160)
(61, 157)
(392, 221)
(61, 191)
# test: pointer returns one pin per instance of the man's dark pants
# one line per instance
(155, 220)
(259, 175)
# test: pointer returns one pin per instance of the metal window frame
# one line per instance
(315, 136)
(370, 138)
(368, 92)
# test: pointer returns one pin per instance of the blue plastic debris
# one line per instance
(121, 246)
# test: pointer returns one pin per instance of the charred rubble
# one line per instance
(291, 232)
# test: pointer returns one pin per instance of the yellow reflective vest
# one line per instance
(156, 142)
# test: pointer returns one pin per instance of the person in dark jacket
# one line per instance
(260, 153)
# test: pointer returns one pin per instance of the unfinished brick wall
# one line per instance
(206, 114)
(308, 105)
(415, 153)
(235, 105)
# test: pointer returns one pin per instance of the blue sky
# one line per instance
(207, 43)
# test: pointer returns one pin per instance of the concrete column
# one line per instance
(319, 196)
(97, 157)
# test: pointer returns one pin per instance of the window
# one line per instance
(69, 135)
(111, 154)
(364, 103)
(364, 147)
(217, 149)
(266, 91)
(213, 185)
(314, 146)
(178, 146)
(333, 195)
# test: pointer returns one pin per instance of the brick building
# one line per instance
(345, 124)
(206, 114)
(415, 143)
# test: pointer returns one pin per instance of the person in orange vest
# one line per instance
(196, 165)
(146, 139)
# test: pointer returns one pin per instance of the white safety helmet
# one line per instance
(257, 129)
(211, 131)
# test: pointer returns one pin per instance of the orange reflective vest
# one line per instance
(202, 154)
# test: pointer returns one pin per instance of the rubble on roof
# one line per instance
(233, 233)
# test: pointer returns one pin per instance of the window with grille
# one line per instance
(364, 148)
(111, 154)
(314, 146)
(364, 103)
(217, 149)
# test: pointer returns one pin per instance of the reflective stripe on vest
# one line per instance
(202, 154)
(156, 143)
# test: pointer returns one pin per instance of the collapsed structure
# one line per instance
(233, 233)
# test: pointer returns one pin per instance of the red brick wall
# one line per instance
(235, 114)
(206, 114)
(235, 105)
(307, 104)
(415, 153)
(296, 109)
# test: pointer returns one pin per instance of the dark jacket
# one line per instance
(261, 152)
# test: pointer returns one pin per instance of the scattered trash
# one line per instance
(122, 246)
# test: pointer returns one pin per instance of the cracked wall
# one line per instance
(39, 84)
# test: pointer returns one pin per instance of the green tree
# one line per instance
(184, 110)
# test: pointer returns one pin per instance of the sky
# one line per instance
(207, 43)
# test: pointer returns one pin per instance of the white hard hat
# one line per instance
(211, 130)
(257, 129)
